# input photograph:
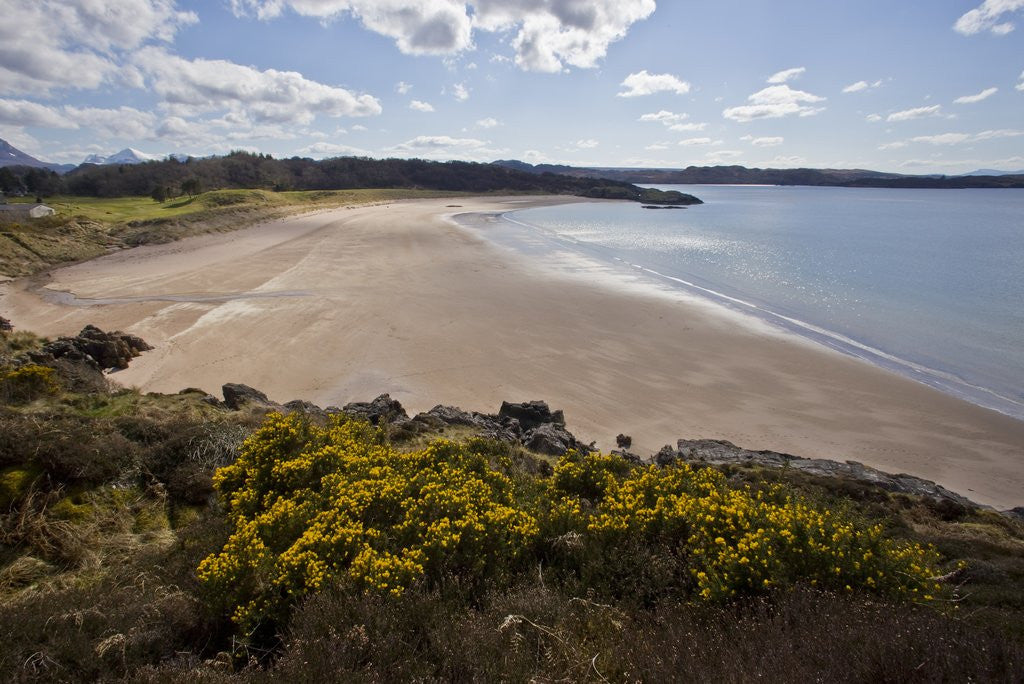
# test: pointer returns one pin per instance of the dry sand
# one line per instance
(346, 304)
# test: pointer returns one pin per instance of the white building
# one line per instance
(18, 211)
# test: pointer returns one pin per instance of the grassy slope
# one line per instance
(107, 512)
(86, 227)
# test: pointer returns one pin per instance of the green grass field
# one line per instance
(87, 227)
(125, 209)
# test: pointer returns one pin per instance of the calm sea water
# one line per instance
(929, 283)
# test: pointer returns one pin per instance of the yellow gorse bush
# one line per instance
(313, 505)
(741, 541)
(27, 382)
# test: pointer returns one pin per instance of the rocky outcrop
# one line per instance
(5, 325)
(1015, 513)
(238, 397)
(530, 424)
(383, 409)
(98, 349)
(719, 453)
(531, 414)
(303, 406)
(535, 426)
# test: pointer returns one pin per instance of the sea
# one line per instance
(926, 283)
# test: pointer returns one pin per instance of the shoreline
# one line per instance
(397, 298)
(945, 381)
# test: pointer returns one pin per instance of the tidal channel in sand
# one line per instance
(346, 304)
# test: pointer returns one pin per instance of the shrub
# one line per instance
(82, 451)
(27, 383)
(313, 505)
(736, 541)
(531, 633)
(15, 483)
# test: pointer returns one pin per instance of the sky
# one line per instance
(912, 86)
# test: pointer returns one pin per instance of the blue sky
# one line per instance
(919, 86)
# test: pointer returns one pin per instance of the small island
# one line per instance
(644, 195)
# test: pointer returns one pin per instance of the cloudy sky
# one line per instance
(914, 86)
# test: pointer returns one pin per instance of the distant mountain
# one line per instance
(741, 175)
(994, 172)
(12, 156)
(128, 155)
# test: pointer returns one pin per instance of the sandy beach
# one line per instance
(346, 304)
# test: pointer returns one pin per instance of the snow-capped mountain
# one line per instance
(128, 155)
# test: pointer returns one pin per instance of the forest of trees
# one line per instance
(169, 178)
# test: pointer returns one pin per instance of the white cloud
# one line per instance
(786, 161)
(402, 87)
(1000, 133)
(447, 147)
(774, 102)
(587, 144)
(673, 121)
(25, 113)
(956, 138)
(548, 34)
(643, 83)
(657, 147)
(555, 33)
(664, 116)
(719, 156)
(988, 17)
(786, 75)
(489, 122)
(535, 157)
(694, 142)
(123, 122)
(915, 113)
(460, 92)
(938, 163)
(942, 139)
(189, 87)
(1020, 85)
(873, 118)
(768, 141)
(977, 97)
(326, 149)
(435, 142)
(421, 106)
(79, 44)
(687, 127)
(359, 127)
(431, 27)
(860, 86)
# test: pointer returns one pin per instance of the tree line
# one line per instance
(244, 170)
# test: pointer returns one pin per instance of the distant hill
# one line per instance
(128, 155)
(12, 156)
(994, 172)
(741, 175)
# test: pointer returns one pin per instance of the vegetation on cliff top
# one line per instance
(169, 538)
